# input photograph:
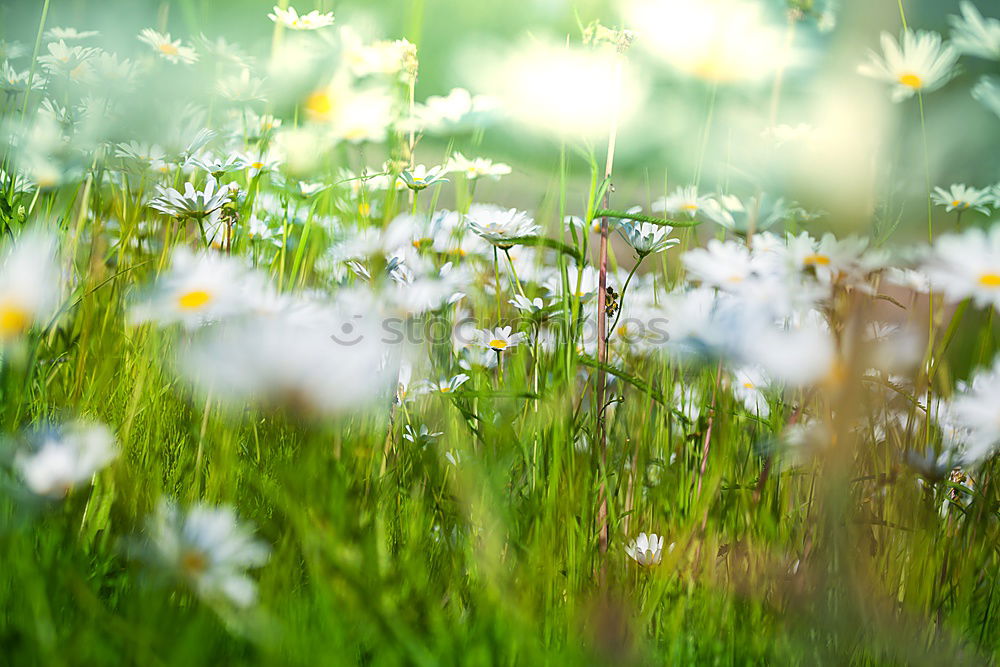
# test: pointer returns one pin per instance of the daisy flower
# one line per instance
(967, 265)
(921, 64)
(500, 339)
(530, 306)
(207, 549)
(683, 200)
(290, 18)
(193, 203)
(476, 167)
(960, 197)
(170, 50)
(421, 438)
(65, 457)
(974, 35)
(421, 177)
(29, 283)
(447, 385)
(498, 225)
(646, 550)
(646, 237)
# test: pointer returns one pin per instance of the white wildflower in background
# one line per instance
(960, 197)
(454, 111)
(30, 283)
(682, 201)
(422, 437)
(207, 549)
(171, 50)
(530, 306)
(967, 265)
(290, 18)
(646, 550)
(974, 35)
(921, 64)
(498, 225)
(447, 385)
(749, 384)
(987, 92)
(755, 213)
(500, 339)
(476, 168)
(974, 413)
(65, 457)
(69, 34)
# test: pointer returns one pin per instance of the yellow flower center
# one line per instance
(912, 80)
(445, 390)
(193, 562)
(498, 344)
(14, 319)
(749, 385)
(168, 49)
(364, 209)
(689, 207)
(257, 165)
(814, 260)
(194, 300)
(989, 279)
(319, 104)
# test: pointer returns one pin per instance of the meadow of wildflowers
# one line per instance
(432, 332)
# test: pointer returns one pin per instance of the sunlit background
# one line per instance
(699, 102)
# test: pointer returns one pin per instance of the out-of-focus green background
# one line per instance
(664, 141)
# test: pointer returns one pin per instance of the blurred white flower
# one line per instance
(553, 87)
(290, 18)
(316, 359)
(447, 385)
(987, 92)
(198, 288)
(973, 415)
(755, 213)
(65, 457)
(961, 197)
(723, 264)
(967, 265)
(749, 383)
(171, 50)
(716, 40)
(455, 110)
(921, 64)
(69, 34)
(476, 167)
(646, 550)
(974, 35)
(30, 283)
(684, 200)
(207, 549)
